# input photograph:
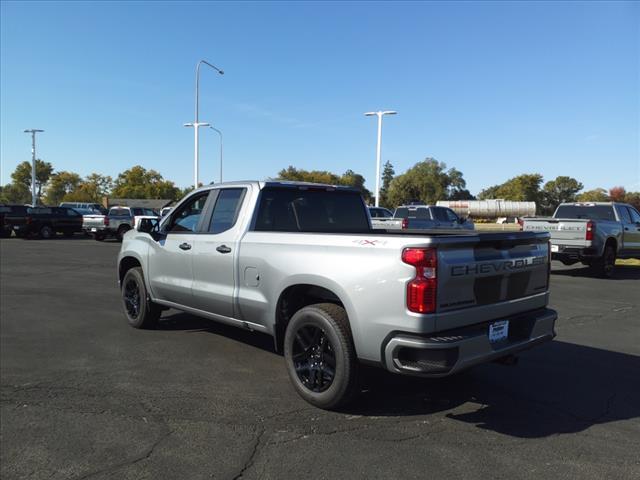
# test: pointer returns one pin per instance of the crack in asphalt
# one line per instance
(143, 456)
(254, 451)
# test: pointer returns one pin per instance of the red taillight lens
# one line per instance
(521, 223)
(405, 223)
(421, 291)
(591, 227)
(106, 221)
(28, 220)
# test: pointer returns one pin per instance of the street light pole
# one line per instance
(33, 132)
(219, 133)
(196, 125)
(379, 114)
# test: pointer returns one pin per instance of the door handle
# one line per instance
(185, 246)
(223, 249)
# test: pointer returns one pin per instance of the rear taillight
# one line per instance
(405, 223)
(133, 220)
(28, 220)
(106, 221)
(591, 228)
(521, 223)
(421, 291)
(548, 262)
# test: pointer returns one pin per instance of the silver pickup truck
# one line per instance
(592, 233)
(301, 262)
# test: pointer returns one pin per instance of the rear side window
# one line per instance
(625, 216)
(635, 216)
(39, 211)
(225, 212)
(440, 214)
(311, 210)
(5, 209)
(72, 213)
(594, 212)
(451, 215)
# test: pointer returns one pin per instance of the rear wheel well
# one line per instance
(611, 242)
(126, 264)
(294, 298)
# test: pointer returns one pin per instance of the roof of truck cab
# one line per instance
(277, 183)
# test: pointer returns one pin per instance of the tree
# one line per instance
(523, 188)
(595, 195)
(22, 175)
(560, 190)
(387, 176)
(15, 193)
(61, 184)
(633, 198)
(617, 194)
(427, 181)
(138, 182)
(349, 178)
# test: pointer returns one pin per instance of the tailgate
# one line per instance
(93, 221)
(491, 276)
(562, 230)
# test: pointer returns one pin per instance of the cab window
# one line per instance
(225, 212)
(187, 217)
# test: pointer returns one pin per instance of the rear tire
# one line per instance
(46, 232)
(140, 311)
(99, 237)
(605, 265)
(320, 356)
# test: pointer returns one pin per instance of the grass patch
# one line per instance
(629, 262)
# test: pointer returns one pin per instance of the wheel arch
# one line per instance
(301, 294)
(125, 264)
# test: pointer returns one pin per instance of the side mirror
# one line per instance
(147, 225)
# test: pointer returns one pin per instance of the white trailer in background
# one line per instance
(489, 208)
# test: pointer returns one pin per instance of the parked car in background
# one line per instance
(381, 218)
(594, 233)
(422, 217)
(117, 222)
(12, 219)
(45, 222)
(301, 262)
(95, 207)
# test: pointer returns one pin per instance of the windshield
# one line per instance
(587, 212)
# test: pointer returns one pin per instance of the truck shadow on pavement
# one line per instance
(556, 388)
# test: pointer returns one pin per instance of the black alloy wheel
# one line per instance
(314, 358)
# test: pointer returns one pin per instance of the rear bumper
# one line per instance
(566, 252)
(446, 353)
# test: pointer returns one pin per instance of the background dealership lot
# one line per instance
(85, 396)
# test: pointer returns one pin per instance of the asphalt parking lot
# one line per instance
(83, 395)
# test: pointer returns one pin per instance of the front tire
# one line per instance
(140, 311)
(320, 356)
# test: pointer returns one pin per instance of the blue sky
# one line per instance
(493, 89)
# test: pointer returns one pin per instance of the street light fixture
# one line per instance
(33, 132)
(379, 114)
(219, 133)
(196, 124)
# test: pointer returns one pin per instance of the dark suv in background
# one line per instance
(45, 222)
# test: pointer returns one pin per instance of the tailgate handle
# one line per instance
(223, 249)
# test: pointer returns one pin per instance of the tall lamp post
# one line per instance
(380, 114)
(33, 132)
(196, 124)
(219, 133)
